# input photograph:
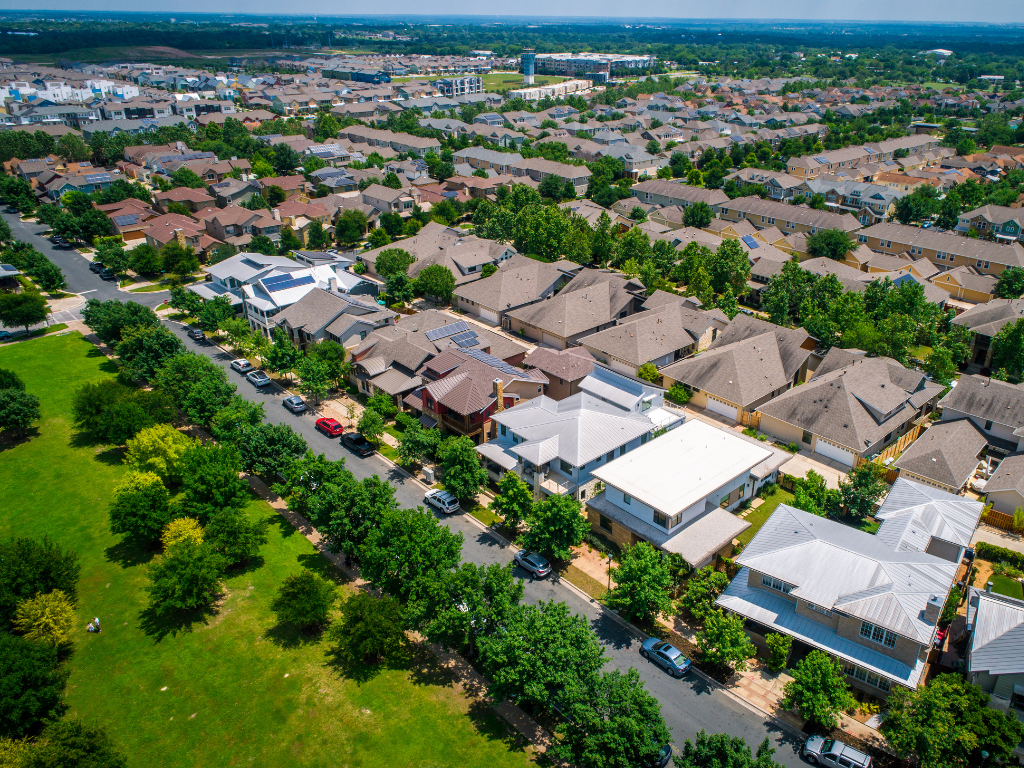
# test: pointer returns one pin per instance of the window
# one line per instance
(645, 405)
(879, 635)
(605, 523)
(665, 521)
(988, 426)
(776, 584)
(806, 437)
(871, 678)
(565, 466)
(610, 456)
(362, 335)
(504, 430)
(643, 439)
(819, 609)
(627, 499)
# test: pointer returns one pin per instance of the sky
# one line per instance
(998, 11)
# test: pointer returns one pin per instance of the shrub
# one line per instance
(46, 618)
(140, 507)
(186, 578)
(678, 394)
(158, 449)
(33, 684)
(305, 600)
(183, 530)
(370, 628)
(996, 554)
(818, 690)
(792, 447)
(949, 609)
(779, 646)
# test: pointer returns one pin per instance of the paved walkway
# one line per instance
(998, 537)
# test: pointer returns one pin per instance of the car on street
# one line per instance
(196, 333)
(108, 274)
(663, 757)
(95, 266)
(357, 444)
(258, 379)
(442, 501)
(330, 427)
(5, 336)
(294, 404)
(241, 365)
(532, 562)
(834, 754)
(666, 656)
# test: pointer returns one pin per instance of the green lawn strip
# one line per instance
(584, 581)
(1004, 585)
(239, 688)
(759, 516)
(484, 514)
(150, 288)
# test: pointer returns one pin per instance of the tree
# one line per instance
(462, 473)
(144, 349)
(370, 628)
(186, 177)
(778, 646)
(262, 244)
(282, 355)
(1011, 283)
(556, 526)
(542, 650)
(723, 640)
(144, 259)
(211, 481)
(611, 721)
(949, 210)
(140, 507)
(648, 372)
(378, 238)
(371, 426)
(552, 187)
(30, 567)
(109, 319)
(266, 449)
(46, 618)
(17, 410)
(232, 534)
(415, 444)
(700, 286)
(408, 545)
(213, 312)
(181, 530)
(514, 500)
(21, 310)
(831, 243)
(182, 260)
(228, 423)
(186, 578)
(729, 267)
(702, 589)
(197, 385)
(948, 723)
(720, 750)
(863, 488)
(698, 215)
(818, 690)
(314, 377)
(350, 226)
(33, 688)
(1008, 349)
(437, 281)
(727, 303)
(70, 743)
(643, 582)
(71, 148)
(305, 599)
(160, 450)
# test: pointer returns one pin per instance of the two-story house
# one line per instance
(995, 407)
(1005, 222)
(328, 314)
(986, 320)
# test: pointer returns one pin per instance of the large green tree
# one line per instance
(642, 584)
(266, 449)
(818, 690)
(33, 685)
(514, 500)
(210, 481)
(436, 281)
(831, 244)
(305, 599)
(109, 319)
(370, 628)
(186, 578)
(1008, 350)
(72, 743)
(720, 750)
(723, 641)
(556, 525)
(22, 310)
(702, 589)
(144, 349)
(863, 488)
(30, 567)
(140, 507)
(462, 473)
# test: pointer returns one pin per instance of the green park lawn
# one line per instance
(233, 688)
(759, 516)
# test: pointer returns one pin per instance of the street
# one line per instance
(688, 705)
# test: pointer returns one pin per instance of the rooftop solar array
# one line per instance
(750, 241)
(466, 339)
(127, 220)
(288, 282)
(97, 178)
(447, 330)
(494, 362)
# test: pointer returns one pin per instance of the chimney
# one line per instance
(179, 235)
(332, 284)
(276, 213)
(499, 395)
(988, 586)
(933, 609)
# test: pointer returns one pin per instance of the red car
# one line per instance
(330, 427)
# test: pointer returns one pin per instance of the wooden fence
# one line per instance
(998, 520)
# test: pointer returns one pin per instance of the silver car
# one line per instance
(834, 754)
(442, 500)
(532, 562)
(241, 365)
(258, 379)
(294, 404)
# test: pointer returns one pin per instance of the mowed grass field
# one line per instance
(234, 688)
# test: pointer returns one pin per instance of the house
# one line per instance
(234, 192)
(239, 225)
(387, 200)
(750, 362)
(944, 249)
(556, 445)
(538, 169)
(986, 320)
(226, 278)
(565, 369)
(189, 233)
(871, 601)
(996, 408)
(995, 624)
(1007, 223)
(967, 284)
(480, 157)
(327, 314)
(1005, 489)
(464, 388)
(853, 408)
(676, 492)
(194, 199)
(661, 336)
(519, 282)
(272, 292)
(789, 219)
(662, 192)
(945, 456)
(592, 301)
(778, 185)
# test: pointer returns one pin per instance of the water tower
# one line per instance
(529, 57)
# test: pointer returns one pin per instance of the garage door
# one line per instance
(834, 452)
(717, 406)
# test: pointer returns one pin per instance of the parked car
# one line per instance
(196, 333)
(5, 336)
(357, 444)
(666, 656)
(96, 266)
(108, 274)
(442, 501)
(834, 754)
(330, 427)
(258, 379)
(663, 758)
(532, 562)
(241, 365)
(294, 404)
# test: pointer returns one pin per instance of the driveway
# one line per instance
(998, 537)
(688, 705)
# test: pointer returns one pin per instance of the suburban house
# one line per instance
(996, 408)
(538, 169)
(488, 159)
(269, 294)
(1007, 223)
(325, 314)
(234, 191)
(788, 218)
(871, 601)
(226, 278)
(944, 249)
(663, 192)
(661, 335)
(676, 492)
(194, 199)
(995, 624)
(590, 302)
(519, 282)
(854, 408)
(565, 369)
(185, 230)
(387, 200)
(556, 445)
(986, 320)
(944, 456)
(749, 363)
(463, 388)
(239, 225)
(778, 185)
(1005, 489)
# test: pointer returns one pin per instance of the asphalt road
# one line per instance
(688, 705)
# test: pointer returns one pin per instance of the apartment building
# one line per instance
(789, 219)
(944, 249)
(664, 192)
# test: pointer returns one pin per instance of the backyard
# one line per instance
(234, 689)
(759, 516)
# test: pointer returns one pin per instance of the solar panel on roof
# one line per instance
(465, 339)
(97, 178)
(305, 280)
(447, 330)
(127, 220)
(492, 361)
(750, 241)
(821, 159)
(277, 279)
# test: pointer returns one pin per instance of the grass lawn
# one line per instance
(150, 288)
(484, 514)
(512, 80)
(234, 688)
(921, 353)
(759, 516)
(1004, 585)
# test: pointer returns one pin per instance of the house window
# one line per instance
(777, 584)
(871, 678)
(806, 437)
(627, 499)
(503, 430)
(565, 466)
(988, 426)
(610, 456)
(819, 609)
(605, 523)
(665, 521)
(877, 634)
(362, 335)
(643, 439)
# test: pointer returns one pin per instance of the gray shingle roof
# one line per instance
(987, 400)
(988, 319)
(519, 281)
(947, 452)
(569, 364)
(1009, 476)
(652, 334)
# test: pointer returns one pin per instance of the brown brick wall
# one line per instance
(905, 651)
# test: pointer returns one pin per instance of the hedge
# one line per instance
(996, 554)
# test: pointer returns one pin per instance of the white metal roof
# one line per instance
(675, 471)
(913, 513)
(997, 636)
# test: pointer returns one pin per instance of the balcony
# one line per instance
(559, 486)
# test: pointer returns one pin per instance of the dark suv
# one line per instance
(357, 443)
